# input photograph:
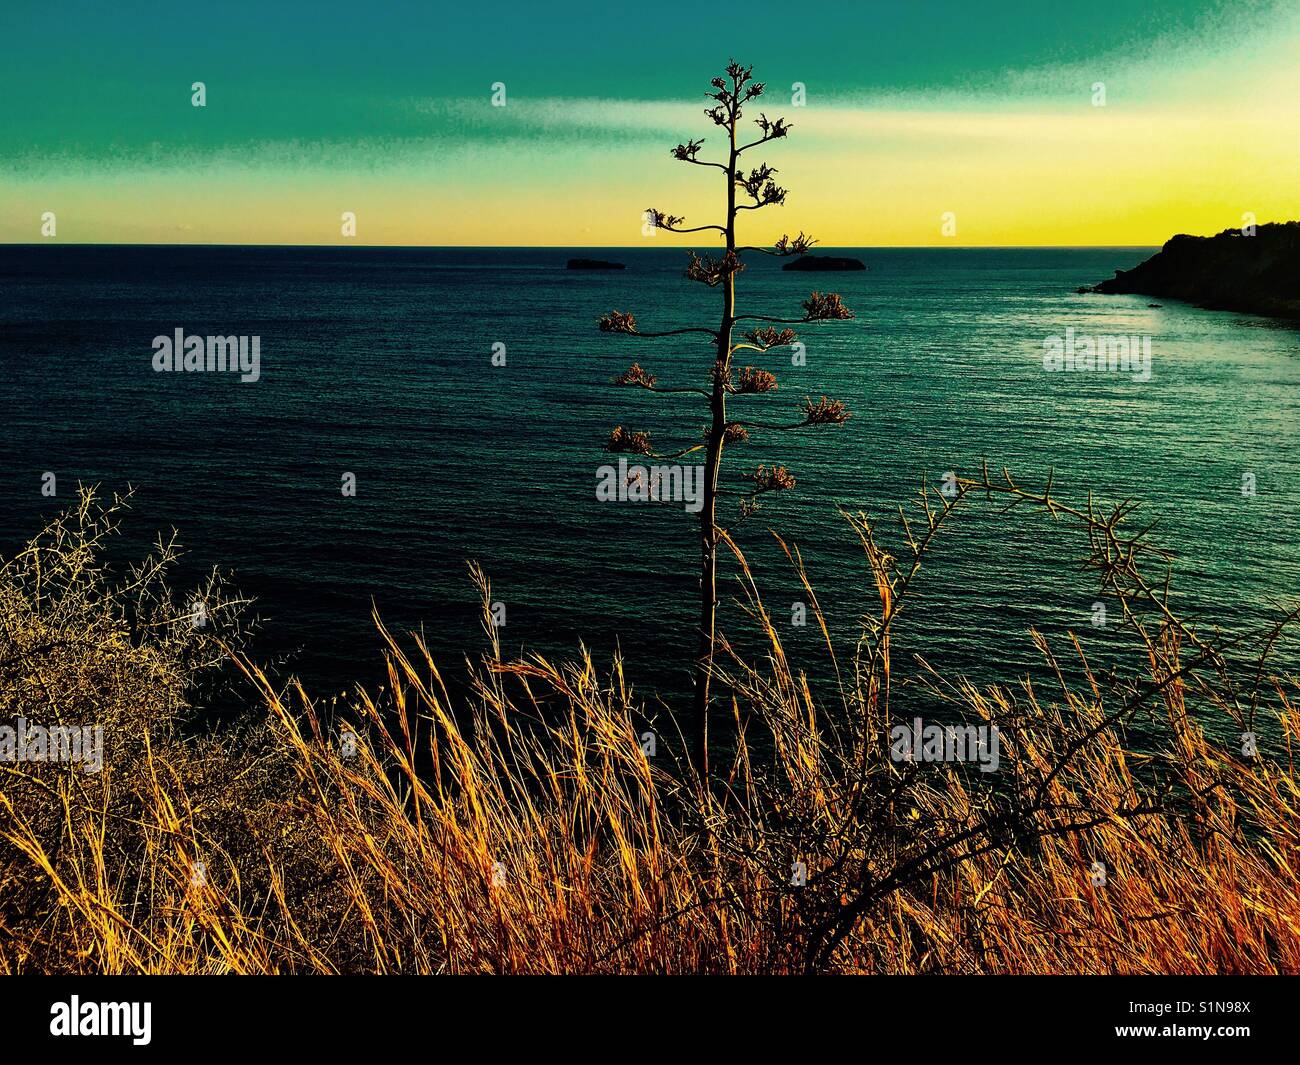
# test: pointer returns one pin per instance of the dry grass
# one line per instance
(525, 829)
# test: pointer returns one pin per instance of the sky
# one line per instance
(981, 116)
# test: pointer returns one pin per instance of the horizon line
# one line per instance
(552, 247)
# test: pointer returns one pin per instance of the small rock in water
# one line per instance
(593, 264)
(825, 262)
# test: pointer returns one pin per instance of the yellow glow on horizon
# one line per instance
(1133, 172)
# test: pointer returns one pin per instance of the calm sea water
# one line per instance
(378, 363)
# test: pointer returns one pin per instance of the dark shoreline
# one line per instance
(1256, 273)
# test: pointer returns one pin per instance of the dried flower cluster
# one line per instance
(741, 90)
(773, 129)
(769, 336)
(687, 152)
(734, 433)
(772, 479)
(710, 271)
(621, 441)
(788, 245)
(635, 376)
(663, 221)
(751, 381)
(617, 322)
(824, 412)
(760, 186)
(825, 307)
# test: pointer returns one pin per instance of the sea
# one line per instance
(418, 409)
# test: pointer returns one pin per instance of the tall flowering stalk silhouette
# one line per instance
(731, 92)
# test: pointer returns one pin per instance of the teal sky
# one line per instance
(95, 90)
(100, 77)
